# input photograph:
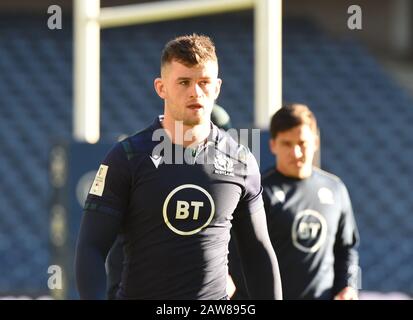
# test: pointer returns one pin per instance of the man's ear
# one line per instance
(159, 87)
(218, 88)
(271, 144)
(317, 142)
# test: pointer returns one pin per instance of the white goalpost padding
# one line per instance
(86, 86)
(167, 10)
(90, 18)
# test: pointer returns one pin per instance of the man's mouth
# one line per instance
(195, 106)
(298, 163)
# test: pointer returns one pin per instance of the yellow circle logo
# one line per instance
(188, 209)
(309, 231)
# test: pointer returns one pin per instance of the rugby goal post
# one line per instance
(90, 18)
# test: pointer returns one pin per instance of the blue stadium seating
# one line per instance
(364, 117)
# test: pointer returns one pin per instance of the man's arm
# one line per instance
(97, 233)
(257, 255)
(236, 272)
(104, 210)
(114, 267)
(346, 265)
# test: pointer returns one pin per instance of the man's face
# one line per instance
(294, 149)
(189, 92)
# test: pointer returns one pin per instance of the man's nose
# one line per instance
(298, 153)
(196, 91)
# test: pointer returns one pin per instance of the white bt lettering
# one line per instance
(308, 230)
(182, 209)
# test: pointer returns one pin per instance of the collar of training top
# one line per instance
(212, 137)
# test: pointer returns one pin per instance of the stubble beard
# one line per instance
(196, 119)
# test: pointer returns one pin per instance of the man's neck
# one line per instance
(304, 174)
(186, 135)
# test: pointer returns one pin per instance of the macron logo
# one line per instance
(156, 160)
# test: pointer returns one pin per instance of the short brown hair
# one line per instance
(290, 116)
(190, 50)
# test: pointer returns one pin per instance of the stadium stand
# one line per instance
(364, 119)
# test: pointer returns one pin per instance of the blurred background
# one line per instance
(359, 83)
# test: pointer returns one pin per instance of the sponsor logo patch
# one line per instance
(309, 231)
(99, 183)
(188, 209)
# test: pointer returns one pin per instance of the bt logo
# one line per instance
(187, 217)
(182, 209)
(309, 231)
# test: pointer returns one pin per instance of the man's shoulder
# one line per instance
(232, 148)
(142, 137)
(327, 177)
(268, 175)
(140, 142)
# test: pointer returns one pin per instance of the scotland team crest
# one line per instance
(223, 164)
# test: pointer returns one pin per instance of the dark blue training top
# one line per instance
(174, 207)
(313, 232)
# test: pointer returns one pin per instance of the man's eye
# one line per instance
(184, 82)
